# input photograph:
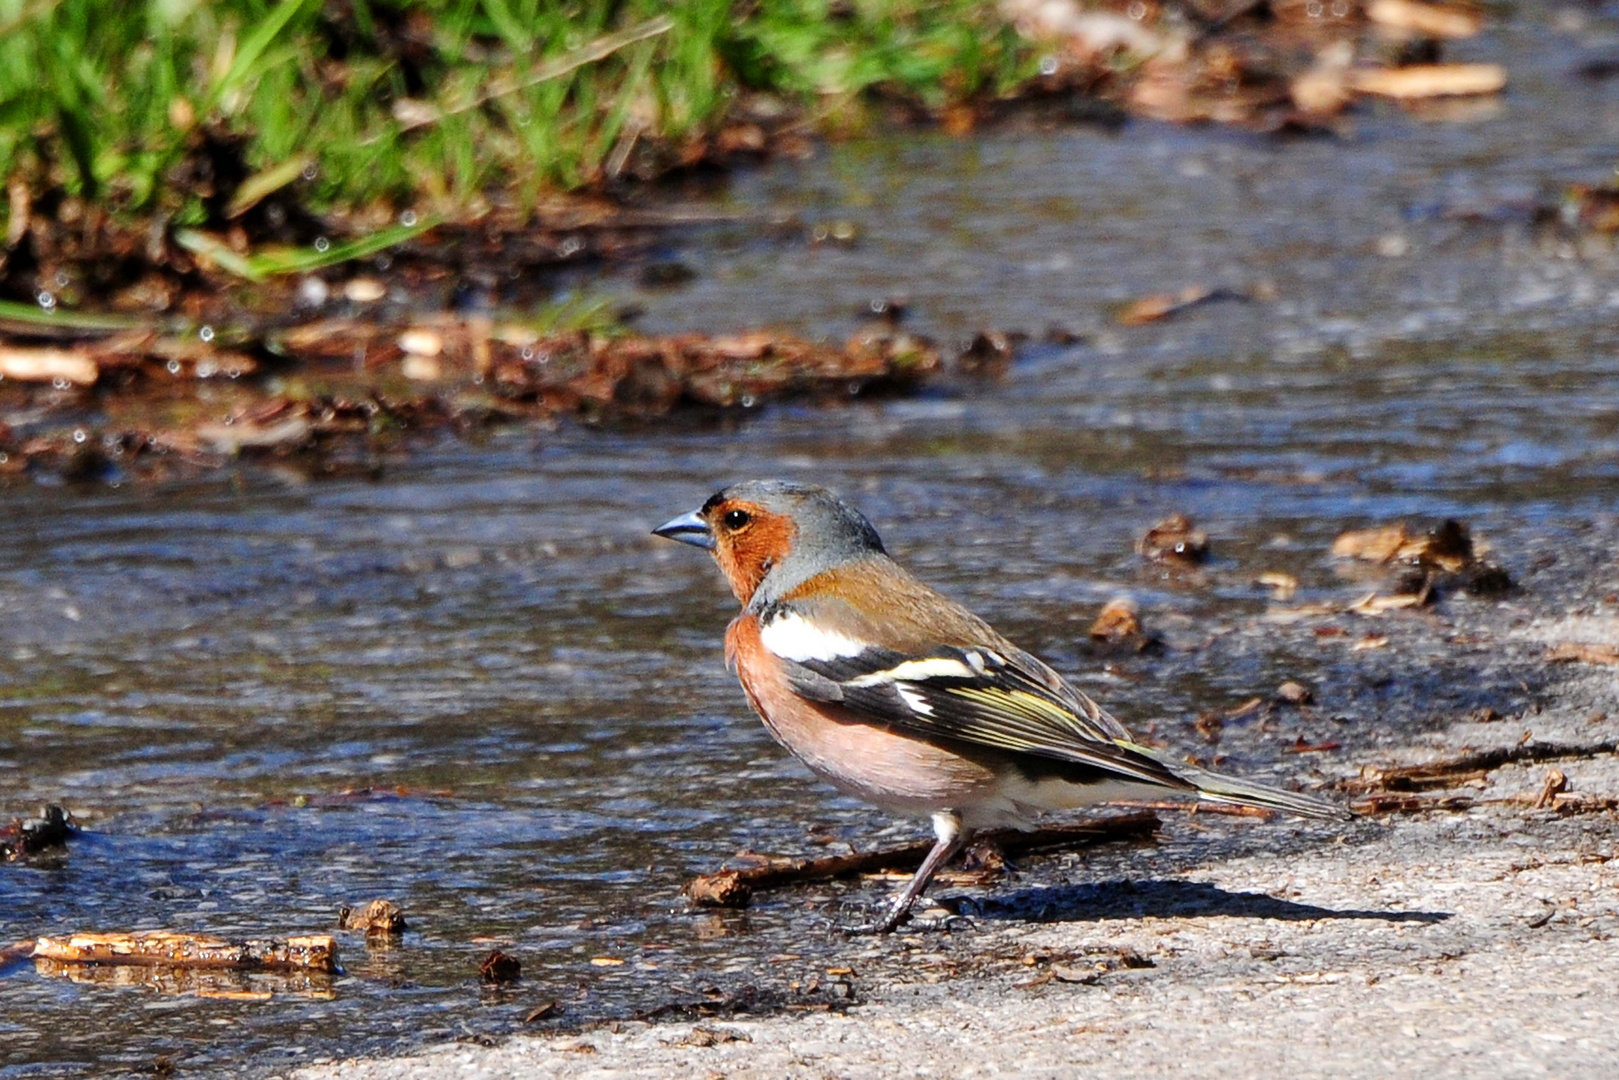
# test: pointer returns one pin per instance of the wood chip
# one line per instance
(499, 967)
(421, 343)
(1430, 80)
(1377, 604)
(47, 365)
(1379, 545)
(1284, 585)
(540, 1012)
(1301, 747)
(1117, 621)
(1556, 783)
(243, 435)
(421, 368)
(725, 889)
(1158, 306)
(1174, 538)
(1425, 20)
(1582, 652)
(379, 917)
(1295, 693)
(364, 290)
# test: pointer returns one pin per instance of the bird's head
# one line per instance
(769, 536)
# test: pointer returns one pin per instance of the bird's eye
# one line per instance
(736, 519)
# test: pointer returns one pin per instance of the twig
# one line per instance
(1452, 771)
(733, 887)
(1559, 803)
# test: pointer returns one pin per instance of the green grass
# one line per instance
(194, 113)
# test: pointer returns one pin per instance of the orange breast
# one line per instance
(895, 771)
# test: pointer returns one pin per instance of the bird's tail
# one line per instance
(1217, 787)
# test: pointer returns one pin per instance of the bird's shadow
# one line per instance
(1158, 899)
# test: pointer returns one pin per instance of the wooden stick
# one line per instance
(1453, 771)
(734, 887)
(163, 948)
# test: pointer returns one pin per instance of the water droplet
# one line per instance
(747, 401)
(59, 383)
(528, 352)
(206, 333)
(207, 369)
(571, 246)
(233, 373)
(310, 171)
(383, 262)
(61, 280)
(4, 457)
(322, 244)
(1048, 65)
(173, 366)
(79, 435)
(1137, 10)
(1313, 9)
(47, 300)
(408, 219)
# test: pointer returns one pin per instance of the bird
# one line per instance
(894, 693)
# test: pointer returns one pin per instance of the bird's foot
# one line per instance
(870, 919)
(885, 925)
(940, 916)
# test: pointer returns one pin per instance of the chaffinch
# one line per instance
(896, 694)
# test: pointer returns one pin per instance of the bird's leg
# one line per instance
(952, 838)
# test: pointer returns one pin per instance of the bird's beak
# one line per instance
(688, 529)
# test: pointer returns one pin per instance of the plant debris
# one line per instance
(701, 1037)
(1118, 629)
(1086, 970)
(1448, 547)
(1428, 562)
(725, 889)
(1117, 621)
(1582, 652)
(1453, 772)
(1294, 693)
(1174, 540)
(1161, 306)
(158, 403)
(1430, 81)
(163, 948)
(734, 887)
(499, 967)
(544, 1010)
(1271, 66)
(1560, 802)
(50, 831)
(379, 918)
